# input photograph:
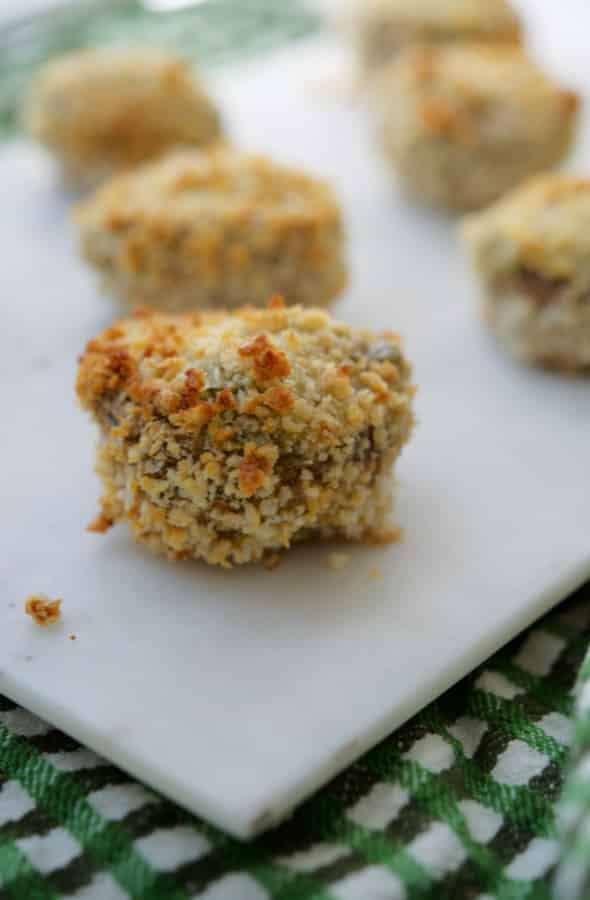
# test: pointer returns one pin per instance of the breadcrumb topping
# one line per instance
(42, 610)
(532, 253)
(465, 123)
(215, 229)
(461, 77)
(543, 225)
(105, 110)
(220, 441)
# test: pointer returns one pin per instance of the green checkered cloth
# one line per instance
(573, 879)
(458, 804)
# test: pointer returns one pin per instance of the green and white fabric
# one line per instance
(460, 803)
(573, 880)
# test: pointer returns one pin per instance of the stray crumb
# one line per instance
(273, 561)
(100, 524)
(72, 637)
(43, 610)
(374, 573)
(379, 537)
(338, 561)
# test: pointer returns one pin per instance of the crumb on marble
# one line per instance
(43, 610)
(375, 573)
(338, 561)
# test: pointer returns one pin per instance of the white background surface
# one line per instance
(236, 693)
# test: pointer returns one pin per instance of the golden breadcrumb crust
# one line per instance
(215, 229)
(465, 123)
(227, 436)
(105, 110)
(42, 610)
(532, 253)
(544, 225)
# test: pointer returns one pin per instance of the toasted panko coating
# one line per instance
(105, 110)
(462, 124)
(531, 252)
(225, 437)
(215, 229)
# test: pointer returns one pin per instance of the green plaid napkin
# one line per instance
(458, 804)
(573, 881)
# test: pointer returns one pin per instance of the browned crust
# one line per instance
(215, 228)
(227, 436)
(452, 114)
(269, 363)
(117, 207)
(113, 365)
(102, 110)
(42, 610)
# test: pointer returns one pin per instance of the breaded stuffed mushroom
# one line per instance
(382, 28)
(532, 254)
(103, 111)
(463, 124)
(211, 229)
(225, 437)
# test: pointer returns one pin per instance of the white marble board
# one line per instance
(238, 693)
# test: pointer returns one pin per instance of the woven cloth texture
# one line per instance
(459, 803)
(573, 877)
